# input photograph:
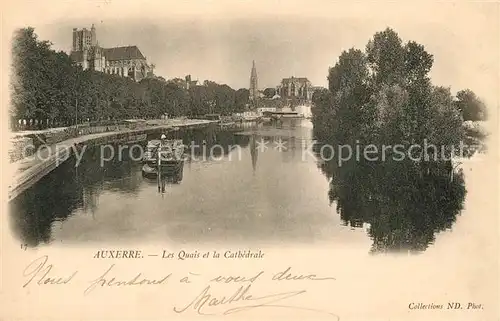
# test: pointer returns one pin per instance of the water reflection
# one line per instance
(109, 168)
(71, 189)
(208, 143)
(254, 151)
(33, 212)
(404, 203)
(168, 178)
(266, 195)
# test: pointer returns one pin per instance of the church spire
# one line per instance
(254, 89)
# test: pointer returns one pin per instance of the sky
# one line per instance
(293, 38)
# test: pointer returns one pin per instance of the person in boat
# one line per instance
(163, 138)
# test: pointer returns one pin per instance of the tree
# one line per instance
(418, 62)
(349, 86)
(470, 106)
(269, 92)
(323, 113)
(241, 99)
(386, 57)
(225, 98)
(447, 123)
(385, 97)
(177, 81)
(350, 72)
(34, 70)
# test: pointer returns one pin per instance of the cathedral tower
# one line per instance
(254, 89)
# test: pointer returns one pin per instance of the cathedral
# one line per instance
(293, 87)
(124, 61)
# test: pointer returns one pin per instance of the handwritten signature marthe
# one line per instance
(40, 272)
(206, 300)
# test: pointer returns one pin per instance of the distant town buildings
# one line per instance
(190, 83)
(125, 61)
(290, 93)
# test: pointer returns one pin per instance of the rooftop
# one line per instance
(113, 54)
(298, 79)
(123, 53)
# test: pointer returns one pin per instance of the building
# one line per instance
(191, 83)
(127, 61)
(299, 88)
(318, 88)
(84, 39)
(254, 88)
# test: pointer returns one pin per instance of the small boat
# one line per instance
(163, 156)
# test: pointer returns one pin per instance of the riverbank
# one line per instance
(29, 170)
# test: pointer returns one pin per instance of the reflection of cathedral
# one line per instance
(254, 151)
(124, 61)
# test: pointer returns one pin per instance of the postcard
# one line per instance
(250, 160)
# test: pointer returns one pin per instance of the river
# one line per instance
(257, 185)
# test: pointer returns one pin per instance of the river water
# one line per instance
(255, 185)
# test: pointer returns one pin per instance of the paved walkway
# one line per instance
(37, 132)
(43, 154)
(149, 122)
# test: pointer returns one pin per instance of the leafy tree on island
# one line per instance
(384, 97)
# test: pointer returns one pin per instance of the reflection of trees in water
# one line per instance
(112, 172)
(53, 198)
(68, 188)
(404, 206)
(56, 196)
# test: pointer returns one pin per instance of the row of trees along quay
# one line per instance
(383, 95)
(48, 87)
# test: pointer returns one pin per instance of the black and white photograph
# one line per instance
(250, 160)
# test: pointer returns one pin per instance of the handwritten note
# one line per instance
(219, 294)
